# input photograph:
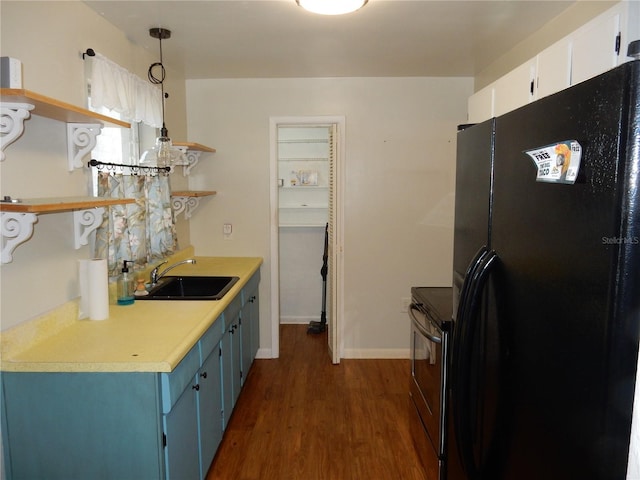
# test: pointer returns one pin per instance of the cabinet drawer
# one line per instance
(211, 339)
(250, 287)
(174, 383)
(232, 311)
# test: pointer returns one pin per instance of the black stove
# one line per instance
(436, 302)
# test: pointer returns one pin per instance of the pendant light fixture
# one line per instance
(163, 154)
(331, 7)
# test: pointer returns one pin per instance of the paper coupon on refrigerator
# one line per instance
(557, 163)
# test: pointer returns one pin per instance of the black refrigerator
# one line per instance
(547, 287)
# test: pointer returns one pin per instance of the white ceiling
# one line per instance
(276, 38)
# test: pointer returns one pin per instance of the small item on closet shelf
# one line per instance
(8, 199)
(141, 289)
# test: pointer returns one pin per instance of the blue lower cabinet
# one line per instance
(181, 431)
(209, 409)
(121, 426)
(231, 358)
(61, 426)
(249, 321)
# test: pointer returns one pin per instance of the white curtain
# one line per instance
(118, 89)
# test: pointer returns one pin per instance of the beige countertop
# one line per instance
(148, 336)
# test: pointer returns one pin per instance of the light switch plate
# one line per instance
(227, 230)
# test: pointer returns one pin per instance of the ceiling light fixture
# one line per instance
(163, 154)
(332, 7)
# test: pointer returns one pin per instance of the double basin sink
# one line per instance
(190, 288)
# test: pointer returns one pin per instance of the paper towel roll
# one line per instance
(94, 289)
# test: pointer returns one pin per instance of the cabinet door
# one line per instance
(60, 426)
(594, 47)
(255, 324)
(246, 329)
(515, 89)
(236, 352)
(227, 378)
(209, 410)
(554, 69)
(480, 105)
(181, 430)
(250, 322)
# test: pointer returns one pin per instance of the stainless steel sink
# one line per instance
(190, 288)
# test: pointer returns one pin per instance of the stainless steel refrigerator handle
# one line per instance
(416, 323)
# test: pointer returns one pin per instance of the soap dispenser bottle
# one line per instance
(126, 285)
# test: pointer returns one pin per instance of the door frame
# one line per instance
(336, 308)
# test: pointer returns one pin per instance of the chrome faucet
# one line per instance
(155, 276)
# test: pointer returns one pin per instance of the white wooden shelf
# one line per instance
(192, 152)
(60, 204)
(83, 126)
(18, 218)
(188, 200)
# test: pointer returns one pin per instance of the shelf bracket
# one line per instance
(85, 222)
(16, 229)
(186, 205)
(193, 157)
(81, 139)
(12, 117)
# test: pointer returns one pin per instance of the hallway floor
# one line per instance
(300, 417)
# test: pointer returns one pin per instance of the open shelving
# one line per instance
(188, 200)
(83, 126)
(18, 218)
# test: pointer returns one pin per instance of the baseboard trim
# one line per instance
(376, 353)
(298, 320)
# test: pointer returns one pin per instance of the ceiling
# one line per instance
(276, 38)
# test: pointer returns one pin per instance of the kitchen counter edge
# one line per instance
(119, 343)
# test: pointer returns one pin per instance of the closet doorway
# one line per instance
(306, 163)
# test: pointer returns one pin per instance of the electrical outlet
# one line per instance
(405, 302)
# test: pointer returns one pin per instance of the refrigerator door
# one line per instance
(569, 256)
(475, 146)
(473, 193)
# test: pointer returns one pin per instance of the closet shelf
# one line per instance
(305, 140)
(304, 206)
(56, 109)
(303, 159)
(302, 225)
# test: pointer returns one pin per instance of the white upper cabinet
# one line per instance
(481, 105)
(515, 89)
(596, 47)
(553, 69)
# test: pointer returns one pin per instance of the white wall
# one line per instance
(400, 171)
(49, 37)
(301, 250)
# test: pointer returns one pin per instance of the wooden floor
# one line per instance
(300, 417)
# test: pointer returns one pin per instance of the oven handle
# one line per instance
(420, 328)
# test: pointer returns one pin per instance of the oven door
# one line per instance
(428, 350)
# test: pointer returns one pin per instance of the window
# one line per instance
(144, 231)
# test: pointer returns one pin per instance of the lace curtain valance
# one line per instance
(118, 89)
